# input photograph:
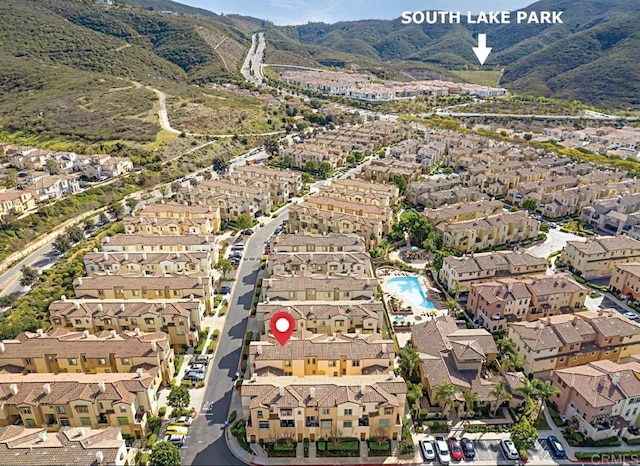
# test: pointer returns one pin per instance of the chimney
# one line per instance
(105, 256)
(80, 281)
(40, 333)
(144, 256)
(76, 305)
(95, 250)
(312, 392)
(391, 375)
(363, 387)
(576, 319)
(42, 436)
(384, 348)
(63, 297)
(139, 373)
(102, 387)
(99, 457)
(14, 389)
(163, 305)
(85, 333)
(615, 378)
(126, 256)
(1, 347)
(113, 333)
(548, 321)
(122, 307)
(81, 431)
(254, 377)
(281, 392)
(259, 349)
(136, 331)
(107, 239)
(100, 307)
(154, 346)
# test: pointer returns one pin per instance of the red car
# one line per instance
(455, 448)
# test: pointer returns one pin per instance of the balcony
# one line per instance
(363, 422)
(311, 422)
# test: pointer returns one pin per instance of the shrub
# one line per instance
(151, 441)
(232, 416)
(144, 459)
(162, 411)
(379, 446)
(632, 441)
(524, 454)
(185, 383)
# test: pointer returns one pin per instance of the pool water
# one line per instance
(411, 290)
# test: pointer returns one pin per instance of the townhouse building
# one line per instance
(326, 318)
(625, 279)
(83, 445)
(309, 242)
(458, 356)
(281, 184)
(338, 205)
(308, 354)
(597, 257)
(231, 202)
(490, 231)
(389, 192)
(137, 288)
(419, 192)
(563, 341)
(168, 226)
(183, 213)
(302, 153)
(617, 214)
(383, 170)
(461, 212)
(178, 318)
(323, 407)
(497, 303)
(148, 263)
(602, 397)
(159, 243)
(309, 287)
(459, 273)
(15, 202)
(332, 263)
(458, 195)
(52, 401)
(60, 350)
(355, 197)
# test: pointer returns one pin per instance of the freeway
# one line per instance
(208, 446)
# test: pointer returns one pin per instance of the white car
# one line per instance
(442, 450)
(427, 450)
(509, 449)
(631, 315)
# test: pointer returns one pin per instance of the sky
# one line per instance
(286, 12)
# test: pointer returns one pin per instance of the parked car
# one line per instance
(176, 430)
(194, 376)
(455, 449)
(183, 421)
(631, 315)
(556, 447)
(177, 439)
(509, 449)
(428, 452)
(198, 368)
(442, 451)
(202, 359)
(224, 290)
(468, 449)
(277, 231)
(248, 232)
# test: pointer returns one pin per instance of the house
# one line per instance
(308, 242)
(148, 263)
(183, 212)
(597, 257)
(180, 319)
(384, 170)
(318, 407)
(601, 398)
(495, 304)
(327, 318)
(82, 445)
(459, 273)
(168, 226)
(15, 202)
(463, 211)
(308, 354)
(338, 205)
(54, 401)
(53, 187)
(450, 355)
(625, 280)
(308, 287)
(332, 263)
(564, 341)
(159, 243)
(60, 350)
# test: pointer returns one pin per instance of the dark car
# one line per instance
(225, 289)
(247, 232)
(455, 449)
(468, 449)
(556, 447)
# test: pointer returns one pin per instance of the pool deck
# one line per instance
(416, 316)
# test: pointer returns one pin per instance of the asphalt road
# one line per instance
(207, 445)
(40, 260)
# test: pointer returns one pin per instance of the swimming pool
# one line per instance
(410, 289)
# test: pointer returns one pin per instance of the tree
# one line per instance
(530, 391)
(523, 434)
(470, 398)
(499, 393)
(545, 390)
(175, 186)
(62, 244)
(445, 395)
(165, 191)
(179, 397)
(207, 175)
(272, 146)
(324, 169)
(351, 159)
(52, 167)
(530, 204)
(450, 304)
(528, 137)
(224, 267)
(75, 234)
(193, 182)
(243, 221)
(165, 454)
(116, 209)
(544, 227)
(103, 219)
(400, 182)
(311, 166)
(10, 178)
(29, 276)
(131, 203)
(409, 362)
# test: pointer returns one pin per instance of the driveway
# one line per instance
(556, 240)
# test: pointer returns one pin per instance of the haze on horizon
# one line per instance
(290, 12)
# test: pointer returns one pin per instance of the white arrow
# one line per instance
(482, 51)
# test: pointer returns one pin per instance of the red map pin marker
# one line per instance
(282, 326)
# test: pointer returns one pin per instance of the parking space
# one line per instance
(488, 450)
(541, 451)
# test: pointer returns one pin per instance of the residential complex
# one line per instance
(625, 279)
(494, 304)
(598, 256)
(565, 341)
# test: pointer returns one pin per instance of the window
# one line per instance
(287, 364)
(60, 409)
(102, 361)
(348, 412)
(30, 422)
(260, 414)
(383, 423)
(285, 412)
(263, 425)
(347, 423)
(123, 409)
(123, 421)
(28, 361)
(325, 411)
(64, 422)
(332, 364)
(126, 361)
(73, 362)
(85, 421)
(25, 410)
(325, 424)
(82, 409)
(388, 410)
(355, 363)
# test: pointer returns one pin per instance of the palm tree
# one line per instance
(530, 391)
(409, 361)
(469, 399)
(450, 304)
(500, 393)
(445, 394)
(512, 361)
(545, 390)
